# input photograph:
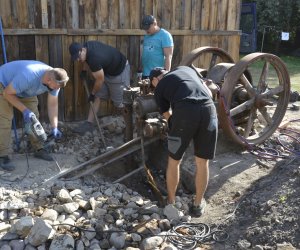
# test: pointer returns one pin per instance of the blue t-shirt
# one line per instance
(153, 50)
(26, 77)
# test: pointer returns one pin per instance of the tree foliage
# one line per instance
(276, 16)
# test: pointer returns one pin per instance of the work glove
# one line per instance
(91, 98)
(27, 113)
(83, 74)
(56, 133)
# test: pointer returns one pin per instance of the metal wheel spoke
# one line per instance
(242, 107)
(250, 122)
(213, 60)
(266, 115)
(271, 92)
(262, 83)
(248, 86)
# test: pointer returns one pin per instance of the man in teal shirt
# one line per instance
(157, 47)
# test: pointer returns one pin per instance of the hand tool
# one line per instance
(93, 110)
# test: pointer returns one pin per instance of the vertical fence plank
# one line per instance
(205, 15)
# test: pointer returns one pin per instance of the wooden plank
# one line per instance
(60, 16)
(6, 14)
(44, 11)
(68, 91)
(116, 32)
(52, 13)
(22, 12)
(74, 14)
(89, 14)
(26, 47)
(196, 14)
(205, 15)
(178, 52)
(102, 14)
(113, 10)
(166, 9)
(42, 49)
(135, 17)
(213, 15)
(221, 17)
(123, 17)
(232, 15)
(12, 48)
(186, 14)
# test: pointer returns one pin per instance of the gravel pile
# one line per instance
(71, 215)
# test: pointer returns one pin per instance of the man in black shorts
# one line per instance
(111, 71)
(186, 103)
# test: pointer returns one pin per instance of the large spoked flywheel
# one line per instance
(252, 108)
(205, 58)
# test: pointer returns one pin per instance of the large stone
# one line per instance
(62, 242)
(40, 232)
(64, 196)
(152, 243)
(22, 227)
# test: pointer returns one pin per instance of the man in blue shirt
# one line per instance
(20, 83)
(157, 47)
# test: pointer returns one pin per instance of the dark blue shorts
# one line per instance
(197, 122)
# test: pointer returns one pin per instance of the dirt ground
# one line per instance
(255, 201)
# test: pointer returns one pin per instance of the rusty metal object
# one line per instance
(249, 109)
(267, 99)
(205, 58)
(102, 160)
(144, 105)
(154, 127)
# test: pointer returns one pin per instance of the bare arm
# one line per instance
(168, 52)
(99, 80)
(52, 103)
(167, 114)
(9, 94)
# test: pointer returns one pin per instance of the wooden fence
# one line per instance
(44, 29)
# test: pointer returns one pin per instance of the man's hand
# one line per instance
(27, 113)
(83, 74)
(56, 133)
(91, 98)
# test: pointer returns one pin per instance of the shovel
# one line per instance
(93, 110)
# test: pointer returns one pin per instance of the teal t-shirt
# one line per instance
(153, 50)
(26, 77)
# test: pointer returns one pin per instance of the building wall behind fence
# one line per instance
(44, 29)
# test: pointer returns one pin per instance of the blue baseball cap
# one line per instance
(74, 50)
(147, 21)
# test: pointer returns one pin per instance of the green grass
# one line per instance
(293, 67)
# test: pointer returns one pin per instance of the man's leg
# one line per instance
(172, 178)
(6, 116)
(201, 178)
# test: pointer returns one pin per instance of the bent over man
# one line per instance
(111, 71)
(192, 117)
(20, 83)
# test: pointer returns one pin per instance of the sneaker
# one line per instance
(43, 154)
(197, 211)
(6, 164)
(83, 128)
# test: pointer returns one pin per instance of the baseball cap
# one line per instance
(156, 72)
(147, 21)
(74, 50)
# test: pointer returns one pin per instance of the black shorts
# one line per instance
(197, 122)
